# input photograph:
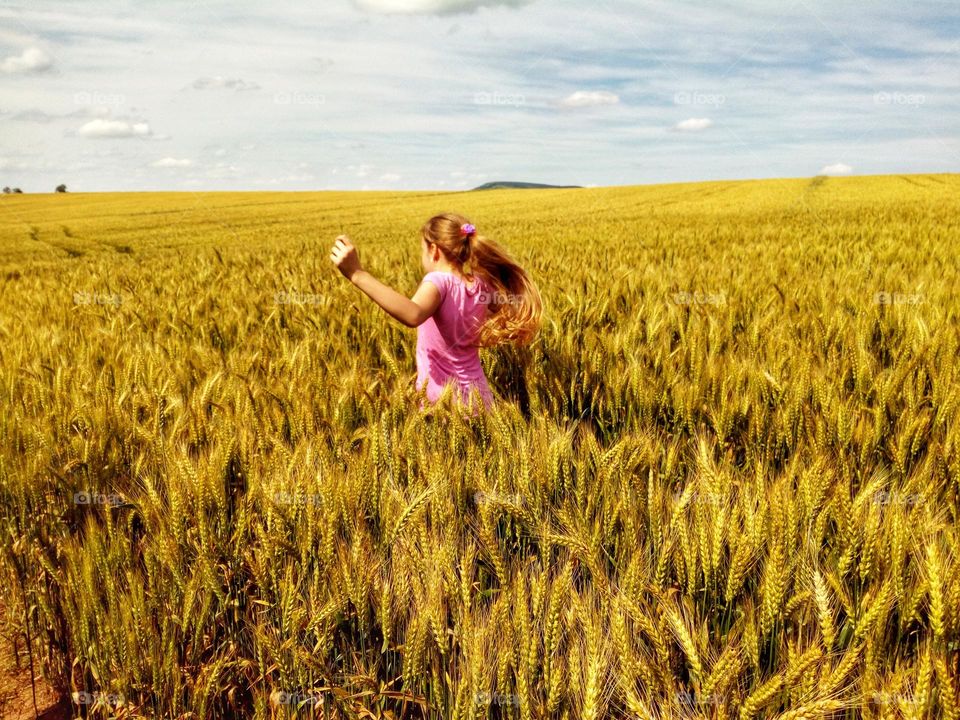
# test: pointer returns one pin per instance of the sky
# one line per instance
(449, 94)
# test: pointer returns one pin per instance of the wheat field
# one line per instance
(722, 483)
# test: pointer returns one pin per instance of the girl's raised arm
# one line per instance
(410, 311)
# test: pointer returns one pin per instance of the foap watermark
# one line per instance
(83, 697)
(296, 298)
(295, 698)
(896, 298)
(297, 97)
(899, 98)
(498, 297)
(86, 497)
(496, 698)
(689, 700)
(100, 99)
(687, 97)
(895, 497)
(83, 297)
(285, 498)
(480, 496)
(499, 98)
(889, 698)
(698, 298)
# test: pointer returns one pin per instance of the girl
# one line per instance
(473, 295)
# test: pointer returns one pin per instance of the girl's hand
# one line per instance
(344, 256)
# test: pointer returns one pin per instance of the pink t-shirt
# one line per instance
(445, 349)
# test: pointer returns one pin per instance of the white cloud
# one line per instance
(101, 128)
(35, 115)
(389, 177)
(169, 162)
(435, 7)
(836, 169)
(589, 98)
(359, 170)
(222, 170)
(789, 96)
(32, 59)
(237, 84)
(693, 124)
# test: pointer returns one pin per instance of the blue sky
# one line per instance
(448, 94)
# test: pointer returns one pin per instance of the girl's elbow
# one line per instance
(417, 317)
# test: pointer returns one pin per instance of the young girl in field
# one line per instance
(473, 295)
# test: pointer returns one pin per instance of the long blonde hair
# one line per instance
(515, 308)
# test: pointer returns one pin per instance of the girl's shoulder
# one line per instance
(444, 279)
(440, 280)
(437, 277)
(445, 276)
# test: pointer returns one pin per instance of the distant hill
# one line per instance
(503, 184)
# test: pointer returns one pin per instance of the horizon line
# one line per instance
(476, 189)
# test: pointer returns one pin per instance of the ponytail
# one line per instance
(514, 305)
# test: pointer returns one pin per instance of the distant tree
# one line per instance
(61, 188)
(6, 190)
(17, 190)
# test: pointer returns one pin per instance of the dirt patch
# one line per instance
(16, 693)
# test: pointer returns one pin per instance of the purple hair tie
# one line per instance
(467, 229)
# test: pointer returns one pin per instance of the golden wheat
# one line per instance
(723, 481)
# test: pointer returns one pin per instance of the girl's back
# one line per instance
(446, 342)
(454, 316)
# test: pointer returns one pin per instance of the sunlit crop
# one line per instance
(722, 483)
